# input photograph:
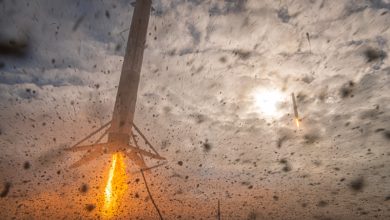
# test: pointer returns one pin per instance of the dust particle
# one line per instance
(357, 184)
(107, 14)
(347, 89)
(372, 54)
(206, 146)
(322, 203)
(287, 168)
(90, 207)
(7, 187)
(84, 188)
(386, 134)
(26, 165)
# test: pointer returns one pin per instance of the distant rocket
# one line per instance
(308, 39)
(296, 116)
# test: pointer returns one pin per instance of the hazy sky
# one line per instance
(214, 99)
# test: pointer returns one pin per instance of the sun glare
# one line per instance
(266, 102)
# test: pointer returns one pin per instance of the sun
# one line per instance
(266, 101)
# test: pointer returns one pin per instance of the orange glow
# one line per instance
(297, 122)
(116, 186)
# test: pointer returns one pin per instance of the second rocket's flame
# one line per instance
(297, 122)
(116, 185)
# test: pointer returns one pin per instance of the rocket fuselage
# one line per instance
(120, 130)
(124, 109)
(295, 106)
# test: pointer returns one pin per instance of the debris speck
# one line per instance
(6, 189)
(90, 207)
(26, 165)
(357, 184)
(84, 188)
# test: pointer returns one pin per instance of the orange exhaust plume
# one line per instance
(116, 186)
(297, 122)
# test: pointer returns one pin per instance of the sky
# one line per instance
(214, 99)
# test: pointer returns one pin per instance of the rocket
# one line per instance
(121, 129)
(296, 116)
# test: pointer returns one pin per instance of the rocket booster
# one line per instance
(295, 106)
(296, 116)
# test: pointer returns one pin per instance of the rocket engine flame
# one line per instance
(297, 122)
(116, 186)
